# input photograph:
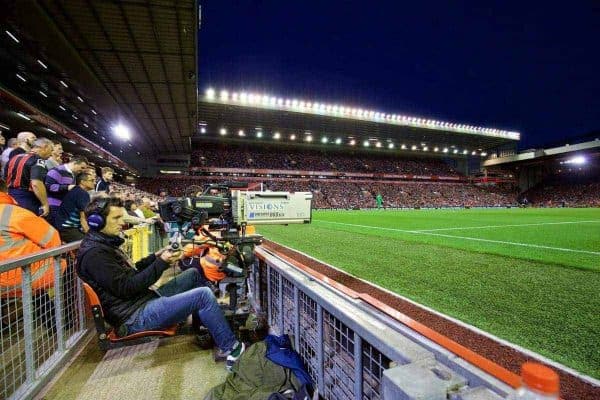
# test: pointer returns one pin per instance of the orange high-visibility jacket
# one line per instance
(22, 233)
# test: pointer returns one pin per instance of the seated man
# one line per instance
(123, 288)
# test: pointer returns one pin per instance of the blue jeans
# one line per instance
(181, 297)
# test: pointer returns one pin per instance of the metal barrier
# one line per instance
(348, 347)
(42, 328)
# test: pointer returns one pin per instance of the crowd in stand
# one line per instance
(267, 157)
(564, 194)
(339, 193)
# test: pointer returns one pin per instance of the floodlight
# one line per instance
(241, 133)
(222, 131)
(338, 141)
(276, 135)
(366, 143)
(378, 144)
(21, 78)
(309, 139)
(292, 137)
(391, 146)
(203, 130)
(210, 93)
(324, 139)
(352, 142)
(224, 95)
(259, 134)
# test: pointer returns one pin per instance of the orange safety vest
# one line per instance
(22, 233)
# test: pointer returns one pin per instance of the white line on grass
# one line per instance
(503, 226)
(538, 246)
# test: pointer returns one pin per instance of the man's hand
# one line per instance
(170, 256)
(70, 187)
(45, 210)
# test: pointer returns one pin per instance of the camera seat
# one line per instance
(107, 335)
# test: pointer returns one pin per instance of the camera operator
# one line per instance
(123, 288)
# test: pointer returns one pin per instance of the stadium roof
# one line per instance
(588, 149)
(95, 64)
(227, 113)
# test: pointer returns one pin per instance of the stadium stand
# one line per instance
(271, 157)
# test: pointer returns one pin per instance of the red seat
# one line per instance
(107, 337)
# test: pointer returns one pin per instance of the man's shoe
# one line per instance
(234, 355)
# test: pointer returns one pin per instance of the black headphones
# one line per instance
(96, 220)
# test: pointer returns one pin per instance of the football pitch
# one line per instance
(529, 276)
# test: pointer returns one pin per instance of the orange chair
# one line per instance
(107, 337)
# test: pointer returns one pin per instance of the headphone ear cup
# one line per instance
(95, 221)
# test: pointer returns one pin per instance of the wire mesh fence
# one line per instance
(43, 314)
(343, 365)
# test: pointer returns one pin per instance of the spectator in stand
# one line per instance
(23, 233)
(56, 158)
(103, 184)
(70, 217)
(25, 140)
(60, 180)
(25, 176)
(132, 218)
(2, 142)
(12, 144)
(146, 208)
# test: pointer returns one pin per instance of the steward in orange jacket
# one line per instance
(22, 233)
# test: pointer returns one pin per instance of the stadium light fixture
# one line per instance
(21, 78)
(455, 151)
(352, 142)
(309, 138)
(425, 148)
(224, 95)
(42, 93)
(23, 116)
(74, 116)
(80, 99)
(483, 154)
(445, 150)
(403, 147)
(276, 136)
(210, 94)
(203, 130)
(64, 84)
(338, 141)
(390, 145)
(577, 160)
(222, 131)
(413, 147)
(122, 132)
(436, 149)
(366, 143)
(6, 128)
(241, 133)
(259, 134)
(324, 139)
(465, 151)
(474, 153)
(94, 112)
(292, 137)
(378, 144)
(13, 37)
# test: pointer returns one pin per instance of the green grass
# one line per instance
(544, 298)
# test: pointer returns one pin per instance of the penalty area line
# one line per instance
(537, 246)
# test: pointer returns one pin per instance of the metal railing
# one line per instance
(43, 318)
(347, 345)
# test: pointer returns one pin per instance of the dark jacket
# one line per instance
(121, 286)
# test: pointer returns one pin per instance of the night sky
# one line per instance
(529, 66)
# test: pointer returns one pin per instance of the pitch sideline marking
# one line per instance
(539, 246)
(502, 226)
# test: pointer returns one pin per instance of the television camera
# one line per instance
(222, 216)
